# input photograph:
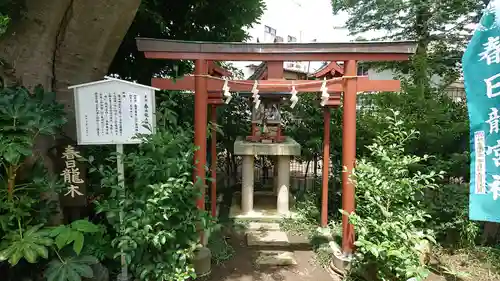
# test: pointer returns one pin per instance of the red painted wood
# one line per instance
(213, 164)
(215, 85)
(276, 56)
(348, 155)
(326, 167)
(200, 127)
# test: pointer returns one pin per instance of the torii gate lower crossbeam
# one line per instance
(349, 52)
(302, 86)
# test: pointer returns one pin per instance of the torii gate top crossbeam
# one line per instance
(193, 50)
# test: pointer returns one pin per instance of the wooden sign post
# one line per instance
(112, 111)
(71, 173)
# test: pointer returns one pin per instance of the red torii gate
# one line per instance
(208, 91)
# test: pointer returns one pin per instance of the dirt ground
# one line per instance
(241, 267)
(480, 263)
(464, 265)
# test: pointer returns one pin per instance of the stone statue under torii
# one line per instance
(266, 140)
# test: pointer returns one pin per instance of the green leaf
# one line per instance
(53, 270)
(32, 230)
(16, 256)
(84, 226)
(62, 274)
(31, 245)
(374, 251)
(83, 270)
(78, 244)
(10, 154)
(88, 260)
(72, 274)
(29, 254)
(57, 230)
(40, 250)
(72, 236)
(62, 238)
(71, 269)
(45, 241)
(6, 253)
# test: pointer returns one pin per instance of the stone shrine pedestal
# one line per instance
(282, 152)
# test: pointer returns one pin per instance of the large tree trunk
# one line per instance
(420, 60)
(58, 43)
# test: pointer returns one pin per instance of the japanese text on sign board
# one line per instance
(108, 116)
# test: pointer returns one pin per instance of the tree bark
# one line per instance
(58, 43)
(420, 66)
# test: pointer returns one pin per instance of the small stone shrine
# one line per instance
(266, 122)
(266, 140)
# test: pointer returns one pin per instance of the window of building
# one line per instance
(270, 30)
(278, 39)
(291, 39)
(362, 71)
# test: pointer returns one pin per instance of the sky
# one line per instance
(304, 19)
(314, 19)
(307, 21)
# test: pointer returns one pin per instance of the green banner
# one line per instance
(481, 67)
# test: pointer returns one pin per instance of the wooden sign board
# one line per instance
(113, 111)
(73, 172)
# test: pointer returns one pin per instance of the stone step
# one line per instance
(263, 226)
(267, 238)
(279, 258)
(258, 215)
(267, 196)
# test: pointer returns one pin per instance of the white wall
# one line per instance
(456, 90)
(389, 75)
(247, 71)
(380, 75)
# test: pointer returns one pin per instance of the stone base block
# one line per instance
(267, 238)
(279, 258)
(340, 262)
(202, 262)
(288, 147)
(259, 214)
(256, 216)
(120, 277)
(263, 201)
(324, 232)
(263, 226)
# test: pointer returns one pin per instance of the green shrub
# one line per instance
(159, 229)
(27, 241)
(390, 217)
(449, 207)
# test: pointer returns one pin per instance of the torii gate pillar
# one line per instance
(348, 154)
(202, 259)
(200, 127)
